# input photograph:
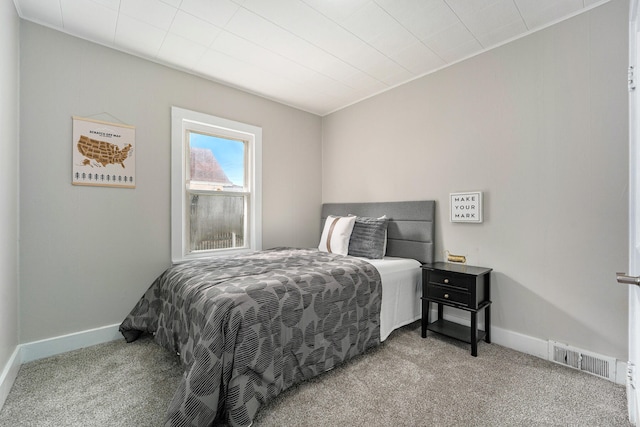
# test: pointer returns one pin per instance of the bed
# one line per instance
(250, 326)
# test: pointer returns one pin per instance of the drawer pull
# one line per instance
(446, 296)
(446, 280)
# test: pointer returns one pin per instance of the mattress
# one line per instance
(401, 292)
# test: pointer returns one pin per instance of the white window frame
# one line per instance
(183, 121)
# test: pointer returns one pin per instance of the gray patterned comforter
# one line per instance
(250, 326)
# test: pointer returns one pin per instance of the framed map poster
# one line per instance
(103, 153)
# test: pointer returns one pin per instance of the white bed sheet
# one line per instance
(401, 291)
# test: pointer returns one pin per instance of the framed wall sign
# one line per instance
(466, 207)
(103, 153)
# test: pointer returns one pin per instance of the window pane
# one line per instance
(238, 185)
(216, 221)
(216, 163)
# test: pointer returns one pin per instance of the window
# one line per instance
(215, 186)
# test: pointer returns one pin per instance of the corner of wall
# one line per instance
(29, 352)
(9, 375)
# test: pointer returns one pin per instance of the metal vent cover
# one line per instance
(595, 364)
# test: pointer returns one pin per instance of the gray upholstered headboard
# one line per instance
(410, 233)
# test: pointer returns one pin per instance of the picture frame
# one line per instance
(103, 153)
(465, 207)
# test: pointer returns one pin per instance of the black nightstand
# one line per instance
(461, 286)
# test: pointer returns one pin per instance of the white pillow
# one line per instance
(336, 234)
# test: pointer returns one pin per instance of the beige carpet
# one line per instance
(408, 381)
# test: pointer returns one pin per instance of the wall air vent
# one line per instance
(595, 364)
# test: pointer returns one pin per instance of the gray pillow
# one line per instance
(368, 237)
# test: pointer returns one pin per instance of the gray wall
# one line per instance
(88, 253)
(540, 126)
(9, 83)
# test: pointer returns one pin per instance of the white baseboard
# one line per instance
(51, 346)
(520, 342)
(514, 340)
(9, 374)
(35, 350)
(622, 368)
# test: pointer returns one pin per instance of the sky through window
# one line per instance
(228, 152)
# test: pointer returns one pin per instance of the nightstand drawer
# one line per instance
(450, 279)
(447, 294)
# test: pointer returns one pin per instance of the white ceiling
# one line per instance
(316, 55)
